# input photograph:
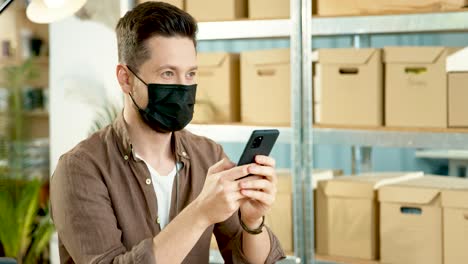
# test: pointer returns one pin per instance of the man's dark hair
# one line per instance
(147, 20)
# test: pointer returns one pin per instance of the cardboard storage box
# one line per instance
(218, 91)
(457, 69)
(367, 7)
(216, 10)
(269, 9)
(351, 86)
(347, 220)
(457, 95)
(455, 215)
(178, 3)
(280, 217)
(411, 220)
(265, 87)
(416, 86)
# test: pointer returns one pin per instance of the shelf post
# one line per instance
(307, 140)
(296, 123)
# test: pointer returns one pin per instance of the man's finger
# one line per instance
(220, 166)
(260, 196)
(236, 172)
(265, 161)
(265, 171)
(263, 184)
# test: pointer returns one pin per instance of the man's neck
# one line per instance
(152, 146)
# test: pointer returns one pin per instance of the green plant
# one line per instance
(24, 231)
(17, 76)
(105, 116)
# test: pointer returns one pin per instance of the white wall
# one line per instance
(82, 74)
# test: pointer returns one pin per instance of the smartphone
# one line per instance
(261, 142)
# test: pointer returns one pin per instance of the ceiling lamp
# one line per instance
(48, 11)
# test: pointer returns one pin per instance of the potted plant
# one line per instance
(25, 225)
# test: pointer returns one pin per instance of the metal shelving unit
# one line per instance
(331, 26)
(301, 29)
(380, 137)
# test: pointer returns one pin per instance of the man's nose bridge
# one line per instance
(181, 79)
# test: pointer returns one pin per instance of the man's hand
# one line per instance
(260, 191)
(221, 197)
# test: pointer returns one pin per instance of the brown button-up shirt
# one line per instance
(104, 206)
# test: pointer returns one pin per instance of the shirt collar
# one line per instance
(120, 127)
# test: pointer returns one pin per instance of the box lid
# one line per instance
(362, 186)
(285, 182)
(455, 198)
(346, 56)
(211, 59)
(412, 54)
(418, 191)
(266, 57)
(458, 61)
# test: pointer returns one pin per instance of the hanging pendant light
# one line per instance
(48, 11)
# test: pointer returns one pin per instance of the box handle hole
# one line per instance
(349, 70)
(466, 216)
(266, 72)
(415, 70)
(411, 210)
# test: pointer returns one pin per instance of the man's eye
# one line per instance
(168, 74)
(192, 74)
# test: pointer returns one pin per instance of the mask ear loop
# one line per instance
(130, 94)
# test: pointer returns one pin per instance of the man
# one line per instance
(143, 190)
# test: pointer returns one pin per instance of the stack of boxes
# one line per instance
(399, 87)
(226, 10)
(280, 9)
(374, 7)
(397, 218)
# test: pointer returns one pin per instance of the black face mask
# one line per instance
(170, 106)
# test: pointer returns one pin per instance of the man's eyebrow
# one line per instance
(174, 68)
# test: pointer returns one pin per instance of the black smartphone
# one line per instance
(261, 142)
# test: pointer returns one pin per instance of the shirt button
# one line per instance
(126, 157)
(148, 181)
(158, 220)
(184, 153)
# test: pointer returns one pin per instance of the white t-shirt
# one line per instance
(163, 189)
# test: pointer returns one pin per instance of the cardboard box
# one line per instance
(178, 3)
(457, 69)
(416, 86)
(218, 91)
(269, 9)
(457, 95)
(455, 215)
(411, 220)
(280, 217)
(367, 7)
(350, 87)
(265, 87)
(216, 10)
(347, 220)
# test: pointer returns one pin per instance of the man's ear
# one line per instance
(124, 78)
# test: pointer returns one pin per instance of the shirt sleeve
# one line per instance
(229, 238)
(84, 218)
